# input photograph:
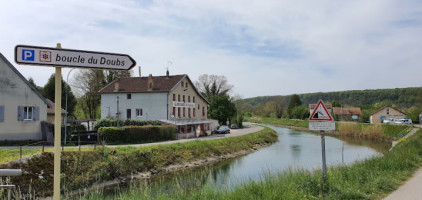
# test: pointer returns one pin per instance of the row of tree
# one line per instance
(86, 85)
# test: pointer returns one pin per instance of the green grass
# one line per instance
(83, 169)
(370, 179)
(280, 121)
(387, 131)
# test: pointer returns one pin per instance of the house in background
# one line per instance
(346, 114)
(22, 108)
(50, 112)
(169, 99)
(385, 113)
(328, 106)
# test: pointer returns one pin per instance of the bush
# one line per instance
(119, 123)
(137, 134)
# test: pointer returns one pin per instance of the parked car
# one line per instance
(223, 130)
(234, 126)
(404, 121)
(389, 121)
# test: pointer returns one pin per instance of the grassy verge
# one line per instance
(368, 131)
(370, 179)
(280, 121)
(83, 169)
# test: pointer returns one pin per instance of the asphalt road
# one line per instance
(411, 190)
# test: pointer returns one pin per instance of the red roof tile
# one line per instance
(328, 106)
(347, 111)
(140, 84)
(53, 105)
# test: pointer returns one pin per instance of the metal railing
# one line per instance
(9, 173)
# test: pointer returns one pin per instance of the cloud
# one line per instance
(263, 47)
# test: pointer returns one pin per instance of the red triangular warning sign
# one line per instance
(320, 113)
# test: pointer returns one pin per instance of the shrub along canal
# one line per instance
(295, 149)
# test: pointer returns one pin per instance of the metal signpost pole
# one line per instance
(57, 130)
(324, 165)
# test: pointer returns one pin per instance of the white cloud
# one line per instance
(263, 47)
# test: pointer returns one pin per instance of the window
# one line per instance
(174, 111)
(193, 112)
(183, 84)
(203, 111)
(183, 98)
(128, 114)
(199, 107)
(186, 84)
(178, 97)
(189, 112)
(139, 112)
(174, 97)
(178, 112)
(193, 99)
(188, 98)
(28, 113)
(129, 96)
(388, 111)
(184, 113)
(1, 113)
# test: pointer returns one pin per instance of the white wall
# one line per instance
(154, 105)
(15, 92)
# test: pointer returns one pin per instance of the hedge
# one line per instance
(137, 134)
(119, 123)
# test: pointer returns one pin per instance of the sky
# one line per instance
(263, 47)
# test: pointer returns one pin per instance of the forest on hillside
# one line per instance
(407, 100)
(401, 97)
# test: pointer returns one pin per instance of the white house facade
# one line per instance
(22, 107)
(169, 99)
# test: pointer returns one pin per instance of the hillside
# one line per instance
(402, 97)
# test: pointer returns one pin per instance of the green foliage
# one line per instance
(238, 119)
(370, 179)
(282, 121)
(49, 93)
(294, 102)
(119, 123)
(137, 134)
(222, 108)
(299, 112)
(83, 169)
(413, 113)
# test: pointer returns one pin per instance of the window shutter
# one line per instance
(20, 113)
(36, 113)
(1, 113)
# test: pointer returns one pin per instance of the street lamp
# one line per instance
(65, 115)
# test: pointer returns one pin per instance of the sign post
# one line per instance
(58, 57)
(321, 120)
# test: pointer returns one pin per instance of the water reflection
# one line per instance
(295, 149)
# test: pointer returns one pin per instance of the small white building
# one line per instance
(22, 107)
(169, 99)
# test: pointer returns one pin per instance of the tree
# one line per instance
(294, 101)
(335, 103)
(89, 82)
(279, 106)
(49, 92)
(299, 112)
(211, 86)
(31, 81)
(111, 75)
(222, 108)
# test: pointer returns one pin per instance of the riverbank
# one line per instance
(83, 169)
(379, 132)
(370, 179)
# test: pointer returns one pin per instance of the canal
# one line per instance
(295, 149)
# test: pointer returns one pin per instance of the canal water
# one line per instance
(295, 149)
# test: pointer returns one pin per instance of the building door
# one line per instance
(128, 114)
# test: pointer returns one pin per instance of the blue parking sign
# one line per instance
(28, 55)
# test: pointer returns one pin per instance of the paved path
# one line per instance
(412, 189)
(247, 128)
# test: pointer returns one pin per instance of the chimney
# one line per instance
(140, 71)
(167, 73)
(117, 85)
(150, 82)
